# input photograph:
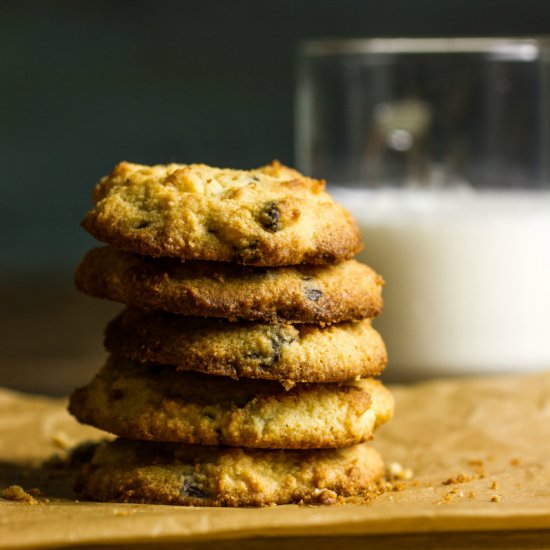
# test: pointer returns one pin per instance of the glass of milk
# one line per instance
(440, 148)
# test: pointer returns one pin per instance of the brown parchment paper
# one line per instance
(493, 431)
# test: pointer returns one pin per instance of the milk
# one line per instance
(467, 277)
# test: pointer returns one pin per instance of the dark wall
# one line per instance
(84, 84)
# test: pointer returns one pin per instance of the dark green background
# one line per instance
(85, 84)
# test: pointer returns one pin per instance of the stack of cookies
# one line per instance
(241, 370)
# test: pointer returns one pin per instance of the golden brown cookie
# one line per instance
(300, 294)
(154, 402)
(269, 216)
(171, 473)
(281, 351)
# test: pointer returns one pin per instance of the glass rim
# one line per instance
(522, 48)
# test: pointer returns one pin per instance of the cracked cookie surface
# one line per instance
(157, 403)
(269, 216)
(278, 351)
(301, 294)
(171, 473)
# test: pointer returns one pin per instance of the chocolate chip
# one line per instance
(277, 341)
(269, 217)
(247, 253)
(190, 490)
(313, 294)
(270, 359)
(142, 224)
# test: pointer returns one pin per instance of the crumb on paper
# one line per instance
(375, 490)
(471, 494)
(494, 485)
(387, 485)
(478, 466)
(451, 495)
(324, 497)
(496, 498)
(18, 494)
(516, 462)
(396, 471)
(464, 478)
(447, 498)
(460, 478)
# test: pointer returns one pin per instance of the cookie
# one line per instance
(280, 351)
(268, 216)
(171, 473)
(154, 402)
(300, 294)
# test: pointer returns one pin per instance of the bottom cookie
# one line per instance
(170, 473)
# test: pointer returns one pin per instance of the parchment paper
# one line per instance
(488, 439)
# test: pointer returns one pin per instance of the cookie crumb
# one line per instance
(447, 498)
(471, 494)
(516, 462)
(494, 485)
(396, 471)
(322, 496)
(496, 498)
(460, 478)
(465, 478)
(18, 494)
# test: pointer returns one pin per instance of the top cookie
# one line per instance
(268, 216)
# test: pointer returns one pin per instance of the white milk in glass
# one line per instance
(467, 277)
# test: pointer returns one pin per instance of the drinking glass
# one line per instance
(440, 148)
